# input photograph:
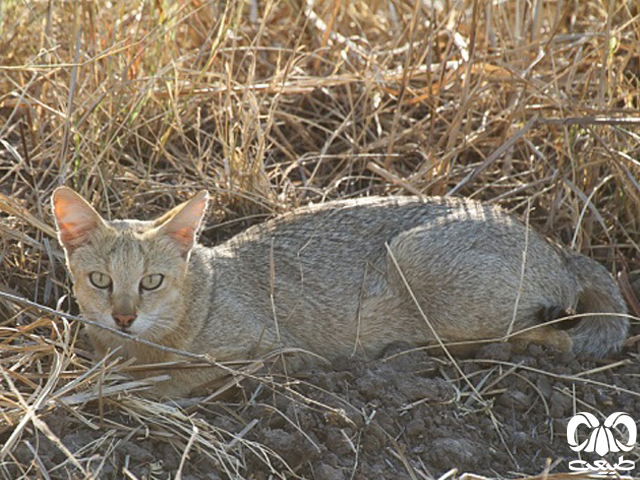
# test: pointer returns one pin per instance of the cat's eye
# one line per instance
(100, 280)
(152, 282)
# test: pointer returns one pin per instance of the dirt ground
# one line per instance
(532, 105)
(410, 415)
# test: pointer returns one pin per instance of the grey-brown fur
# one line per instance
(322, 279)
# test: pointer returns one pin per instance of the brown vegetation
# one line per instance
(270, 105)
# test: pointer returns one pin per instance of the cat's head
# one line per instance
(128, 274)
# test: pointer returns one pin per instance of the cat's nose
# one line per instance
(124, 321)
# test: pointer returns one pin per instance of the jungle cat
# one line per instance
(344, 277)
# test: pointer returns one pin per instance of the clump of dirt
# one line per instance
(501, 412)
(410, 415)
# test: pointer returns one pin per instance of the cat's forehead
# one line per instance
(131, 238)
(125, 251)
(133, 226)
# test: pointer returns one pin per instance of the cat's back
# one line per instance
(328, 246)
(318, 269)
(363, 220)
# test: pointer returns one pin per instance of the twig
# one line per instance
(51, 311)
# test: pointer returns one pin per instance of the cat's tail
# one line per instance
(606, 326)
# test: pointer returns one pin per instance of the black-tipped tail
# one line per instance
(605, 326)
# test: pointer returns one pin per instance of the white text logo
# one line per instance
(601, 440)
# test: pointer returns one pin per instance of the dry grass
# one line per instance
(270, 105)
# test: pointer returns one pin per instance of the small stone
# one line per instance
(415, 428)
(560, 405)
(327, 472)
(515, 399)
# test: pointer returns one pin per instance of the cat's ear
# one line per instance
(182, 223)
(75, 218)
